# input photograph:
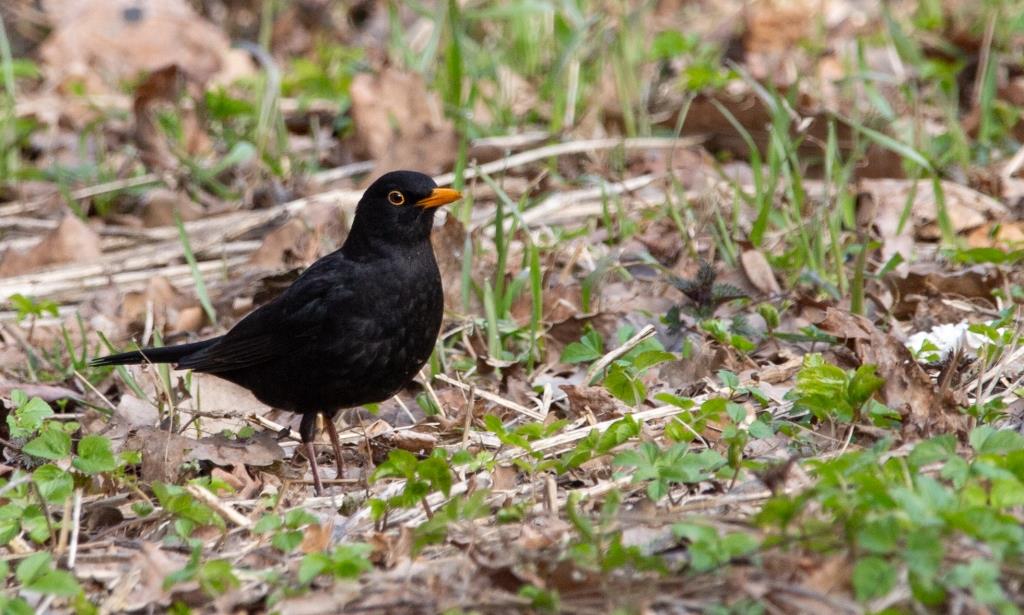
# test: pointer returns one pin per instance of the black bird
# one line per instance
(353, 329)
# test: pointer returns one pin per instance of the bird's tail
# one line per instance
(164, 354)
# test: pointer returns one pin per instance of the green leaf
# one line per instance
(589, 348)
(181, 504)
(671, 43)
(650, 358)
(674, 400)
(760, 430)
(311, 566)
(287, 541)
(32, 567)
(52, 443)
(28, 416)
(55, 582)
(630, 390)
(990, 441)
(10, 522)
(873, 577)
(94, 455)
(299, 517)
(435, 471)
(864, 384)
(267, 523)
(217, 577)
(400, 463)
(54, 484)
(33, 522)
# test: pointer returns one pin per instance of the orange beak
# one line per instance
(439, 197)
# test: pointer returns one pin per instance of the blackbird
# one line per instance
(353, 329)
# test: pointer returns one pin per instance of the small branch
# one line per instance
(565, 149)
(76, 514)
(223, 509)
(491, 397)
(606, 360)
(432, 395)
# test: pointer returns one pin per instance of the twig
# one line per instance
(565, 149)
(494, 399)
(223, 509)
(607, 359)
(432, 395)
(20, 207)
(89, 385)
(343, 172)
(76, 514)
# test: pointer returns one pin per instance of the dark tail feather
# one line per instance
(165, 354)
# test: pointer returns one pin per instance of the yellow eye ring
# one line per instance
(396, 198)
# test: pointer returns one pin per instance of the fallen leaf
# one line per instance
(967, 209)
(907, 389)
(99, 44)
(261, 449)
(299, 241)
(164, 87)
(73, 241)
(159, 301)
(317, 537)
(593, 401)
(925, 282)
(663, 241)
(400, 124)
(413, 441)
(160, 206)
(136, 412)
(1003, 234)
(150, 565)
(759, 272)
(47, 392)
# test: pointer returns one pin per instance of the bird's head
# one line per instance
(399, 206)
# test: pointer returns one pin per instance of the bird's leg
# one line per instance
(318, 487)
(307, 429)
(332, 433)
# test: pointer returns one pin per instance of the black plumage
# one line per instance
(353, 329)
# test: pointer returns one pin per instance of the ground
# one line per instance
(732, 305)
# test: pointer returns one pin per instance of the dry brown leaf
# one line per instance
(663, 241)
(164, 87)
(778, 25)
(102, 43)
(161, 205)
(413, 441)
(592, 401)
(190, 319)
(135, 412)
(759, 272)
(150, 565)
(73, 241)
(400, 124)
(299, 241)
(163, 453)
(159, 300)
(967, 208)
(559, 303)
(1006, 235)
(47, 392)
(261, 449)
(927, 281)
(907, 389)
(317, 537)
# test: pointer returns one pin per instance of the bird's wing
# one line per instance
(274, 329)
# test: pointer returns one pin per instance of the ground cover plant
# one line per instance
(732, 305)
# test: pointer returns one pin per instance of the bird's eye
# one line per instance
(396, 198)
